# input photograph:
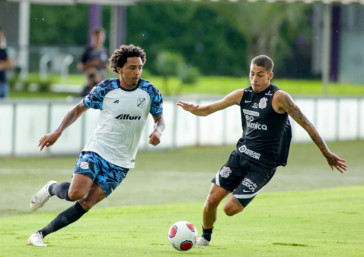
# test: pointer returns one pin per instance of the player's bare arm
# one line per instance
(283, 103)
(68, 119)
(159, 125)
(229, 100)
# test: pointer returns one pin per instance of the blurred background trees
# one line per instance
(215, 39)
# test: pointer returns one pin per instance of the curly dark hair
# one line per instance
(119, 57)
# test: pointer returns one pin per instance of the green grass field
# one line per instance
(306, 210)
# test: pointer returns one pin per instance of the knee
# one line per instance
(85, 204)
(212, 200)
(231, 210)
(75, 195)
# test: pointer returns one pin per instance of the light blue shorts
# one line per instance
(105, 174)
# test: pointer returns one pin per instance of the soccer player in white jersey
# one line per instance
(124, 104)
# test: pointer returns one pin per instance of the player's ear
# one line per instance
(119, 70)
(271, 75)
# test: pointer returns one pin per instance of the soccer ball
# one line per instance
(182, 235)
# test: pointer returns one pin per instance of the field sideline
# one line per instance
(306, 210)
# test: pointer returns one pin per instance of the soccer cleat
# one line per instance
(202, 242)
(36, 239)
(41, 197)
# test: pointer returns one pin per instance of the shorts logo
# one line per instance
(225, 172)
(249, 184)
(251, 153)
(84, 165)
(263, 103)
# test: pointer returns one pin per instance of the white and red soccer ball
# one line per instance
(182, 235)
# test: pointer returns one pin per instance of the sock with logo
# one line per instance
(206, 233)
(60, 190)
(64, 219)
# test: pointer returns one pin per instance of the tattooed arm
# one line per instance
(68, 119)
(283, 103)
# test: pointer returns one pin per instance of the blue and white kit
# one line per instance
(123, 114)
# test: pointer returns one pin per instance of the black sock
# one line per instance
(60, 190)
(64, 219)
(206, 233)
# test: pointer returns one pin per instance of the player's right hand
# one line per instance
(48, 140)
(187, 106)
(336, 162)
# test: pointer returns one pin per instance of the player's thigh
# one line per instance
(93, 196)
(80, 185)
(216, 194)
(231, 173)
(110, 177)
(252, 183)
(85, 171)
(105, 174)
(233, 206)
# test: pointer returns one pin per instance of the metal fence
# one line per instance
(24, 122)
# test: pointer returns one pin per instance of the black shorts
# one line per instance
(244, 177)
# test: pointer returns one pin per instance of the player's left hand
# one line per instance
(336, 162)
(154, 138)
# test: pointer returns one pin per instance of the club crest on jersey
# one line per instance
(263, 103)
(141, 102)
(225, 172)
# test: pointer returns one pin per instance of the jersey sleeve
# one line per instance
(156, 99)
(156, 106)
(96, 97)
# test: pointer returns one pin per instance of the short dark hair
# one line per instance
(120, 56)
(263, 61)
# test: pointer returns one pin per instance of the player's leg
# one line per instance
(106, 178)
(83, 177)
(254, 180)
(70, 215)
(233, 206)
(225, 181)
(209, 213)
(215, 196)
(95, 195)
(86, 169)
(65, 190)
(73, 191)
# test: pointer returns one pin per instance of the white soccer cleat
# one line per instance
(201, 241)
(36, 239)
(41, 197)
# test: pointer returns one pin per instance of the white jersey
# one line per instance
(123, 114)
